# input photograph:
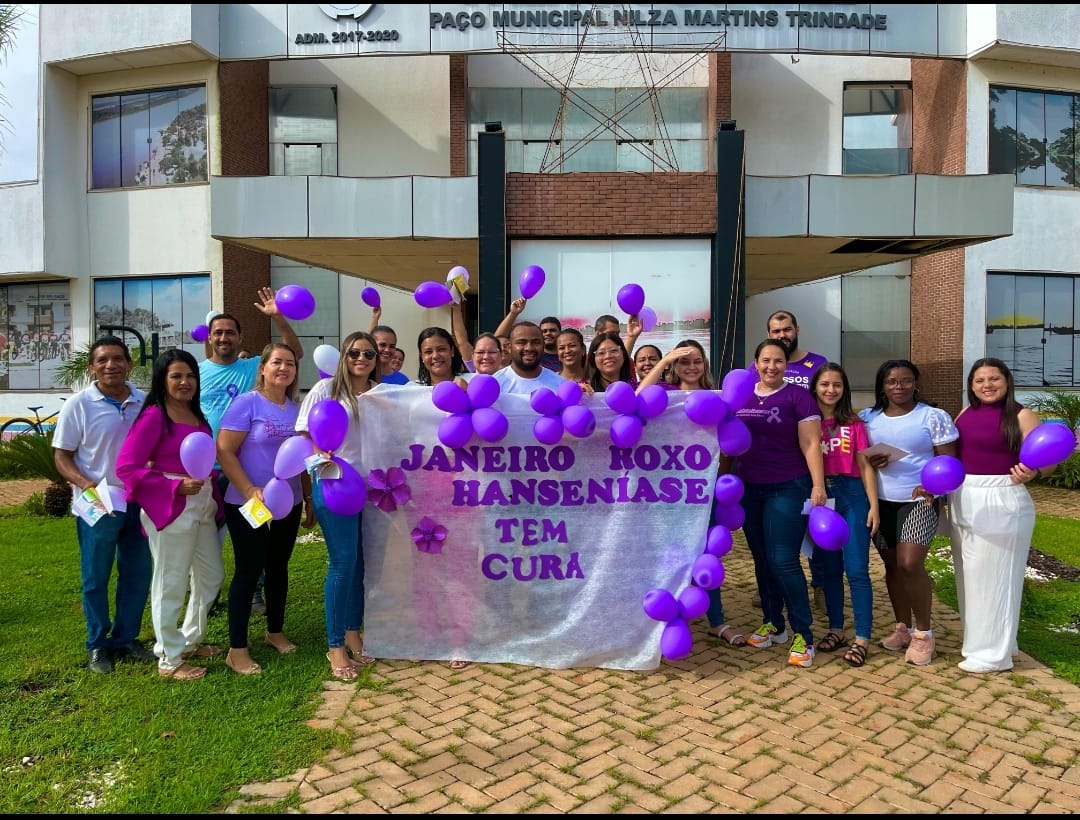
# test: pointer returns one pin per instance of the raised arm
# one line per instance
(507, 324)
(633, 330)
(268, 307)
(457, 325)
(668, 359)
(376, 319)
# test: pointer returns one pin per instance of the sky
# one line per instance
(19, 83)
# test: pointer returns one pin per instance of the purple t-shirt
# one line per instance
(773, 420)
(267, 425)
(798, 372)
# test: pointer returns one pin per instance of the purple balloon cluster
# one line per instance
(345, 494)
(561, 411)
(633, 410)
(470, 411)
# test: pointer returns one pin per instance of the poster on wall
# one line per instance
(36, 323)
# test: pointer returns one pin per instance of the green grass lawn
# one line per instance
(132, 742)
(1050, 610)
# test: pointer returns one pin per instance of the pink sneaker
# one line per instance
(921, 650)
(899, 639)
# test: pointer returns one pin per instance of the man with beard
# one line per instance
(783, 325)
(525, 372)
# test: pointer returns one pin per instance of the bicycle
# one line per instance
(23, 426)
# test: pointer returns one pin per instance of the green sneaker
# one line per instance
(801, 654)
(765, 636)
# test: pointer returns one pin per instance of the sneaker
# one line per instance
(921, 650)
(766, 635)
(899, 639)
(801, 653)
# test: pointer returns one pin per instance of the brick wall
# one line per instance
(939, 134)
(245, 151)
(459, 115)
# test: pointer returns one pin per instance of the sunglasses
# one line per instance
(355, 354)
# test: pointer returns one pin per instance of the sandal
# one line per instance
(856, 655)
(458, 664)
(345, 673)
(251, 668)
(727, 633)
(282, 644)
(184, 671)
(204, 651)
(357, 657)
(831, 642)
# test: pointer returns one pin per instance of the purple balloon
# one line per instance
(278, 498)
(450, 398)
(707, 571)
(732, 516)
(579, 421)
(631, 299)
(620, 397)
(705, 407)
(200, 333)
(456, 430)
(1049, 444)
(545, 401)
(198, 454)
(660, 605)
(371, 297)
(828, 529)
(942, 474)
(733, 436)
(483, 390)
(532, 279)
(626, 431)
(647, 317)
(328, 422)
(737, 388)
(652, 401)
(548, 429)
(289, 460)
(719, 541)
(432, 294)
(324, 375)
(295, 302)
(490, 424)
(728, 489)
(346, 495)
(676, 642)
(570, 393)
(693, 603)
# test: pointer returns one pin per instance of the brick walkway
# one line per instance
(725, 730)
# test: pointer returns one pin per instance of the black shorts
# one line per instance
(913, 522)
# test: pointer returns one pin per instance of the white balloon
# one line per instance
(326, 358)
(210, 317)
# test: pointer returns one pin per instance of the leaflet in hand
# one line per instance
(883, 449)
(255, 512)
(94, 503)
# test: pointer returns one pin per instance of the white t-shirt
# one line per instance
(917, 432)
(349, 450)
(510, 382)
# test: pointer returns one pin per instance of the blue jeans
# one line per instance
(115, 539)
(774, 530)
(853, 560)
(343, 591)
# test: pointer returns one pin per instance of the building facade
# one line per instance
(903, 178)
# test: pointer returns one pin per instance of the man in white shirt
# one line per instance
(525, 372)
(92, 425)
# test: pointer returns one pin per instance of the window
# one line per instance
(149, 138)
(875, 320)
(1033, 135)
(595, 129)
(35, 334)
(303, 131)
(877, 128)
(169, 306)
(1031, 326)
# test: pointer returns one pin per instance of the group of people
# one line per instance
(808, 447)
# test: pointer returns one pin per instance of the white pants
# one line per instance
(186, 550)
(992, 521)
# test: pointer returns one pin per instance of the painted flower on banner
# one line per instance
(428, 535)
(388, 488)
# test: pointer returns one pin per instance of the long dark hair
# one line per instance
(880, 400)
(1010, 416)
(457, 364)
(844, 413)
(592, 374)
(157, 395)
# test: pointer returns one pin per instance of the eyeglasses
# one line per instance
(607, 351)
(899, 382)
(355, 354)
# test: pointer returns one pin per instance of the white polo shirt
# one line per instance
(94, 428)
(510, 382)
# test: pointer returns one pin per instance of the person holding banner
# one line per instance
(782, 468)
(608, 361)
(180, 513)
(571, 349)
(252, 429)
(486, 357)
(440, 359)
(646, 357)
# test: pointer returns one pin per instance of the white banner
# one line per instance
(520, 552)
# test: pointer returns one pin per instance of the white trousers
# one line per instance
(186, 551)
(992, 522)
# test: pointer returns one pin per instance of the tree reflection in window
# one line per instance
(1033, 135)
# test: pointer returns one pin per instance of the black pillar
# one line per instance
(492, 279)
(729, 252)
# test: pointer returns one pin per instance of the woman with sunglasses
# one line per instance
(343, 591)
(909, 514)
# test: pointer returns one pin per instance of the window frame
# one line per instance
(998, 159)
(901, 154)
